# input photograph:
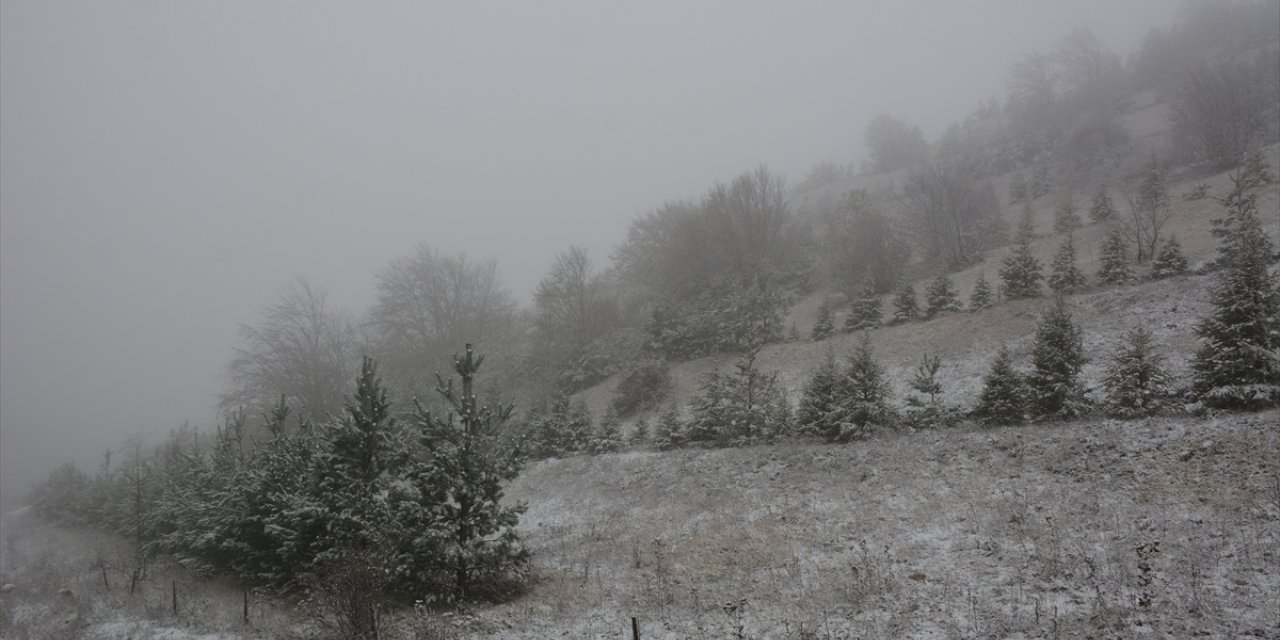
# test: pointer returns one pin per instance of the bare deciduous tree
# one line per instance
(1148, 211)
(302, 350)
(952, 215)
(893, 144)
(1033, 80)
(427, 304)
(1085, 65)
(1219, 109)
(573, 303)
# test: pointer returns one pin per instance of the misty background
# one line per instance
(165, 168)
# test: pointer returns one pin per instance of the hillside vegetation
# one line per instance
(666, 462)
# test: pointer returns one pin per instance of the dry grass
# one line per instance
(1078, 530)
(59, 591)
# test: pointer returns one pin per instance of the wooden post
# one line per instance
(246, 606)
(635, 629)
(175, 597)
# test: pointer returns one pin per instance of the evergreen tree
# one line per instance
(709, 410)
(275, 418)
(361, 441)
(1026, 231)
(670, 430)
(1256, 171)
(1003, 400)
(1056, 360)
(1017, 187)
(824, 327)
(1238, 363)
(982, 296)
(928, 410)
(578, 427)
(1020, 274)
(1170, 261)
(740, 408)
(1135, 381)
(468, 459)
(1102, 209)
(925, 381)
(820, 398)
(362, 451)
(640, 434)
(271, 523)
(1114, 260)
(1065, 218)
(905, 306)
(941, 296)
(864, 313)
(1064, 275)
(564, 428)
(607, 437)
(864, 404)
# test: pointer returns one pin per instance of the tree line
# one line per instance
(391, 506)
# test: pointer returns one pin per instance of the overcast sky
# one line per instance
(166, 166)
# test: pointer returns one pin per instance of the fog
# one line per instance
(165, 167)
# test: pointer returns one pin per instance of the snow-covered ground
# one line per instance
(1013, 532)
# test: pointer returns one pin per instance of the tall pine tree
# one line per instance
(1238, 363)
(469, 458)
